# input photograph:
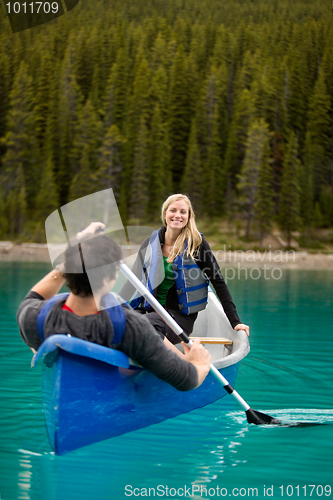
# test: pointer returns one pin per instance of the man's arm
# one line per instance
(49, 285)
(31, 305)
(26, 318)
(143, 344)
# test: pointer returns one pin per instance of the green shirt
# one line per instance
(166, 283)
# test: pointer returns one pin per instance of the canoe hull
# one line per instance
(92, 393)
(86, 400)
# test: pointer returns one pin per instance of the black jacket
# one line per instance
(206, 261)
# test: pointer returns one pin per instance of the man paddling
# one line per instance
(90, 313)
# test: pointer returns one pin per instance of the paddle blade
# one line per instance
(258, 418)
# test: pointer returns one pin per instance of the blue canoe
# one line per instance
(92, 393)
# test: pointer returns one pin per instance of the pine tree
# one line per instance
(54, 132)
(139, 106)
(318, 135)
(221, 51)
(193, 85)
(69, 111)
(4, 91)
(264, 93)
(84, 62)
(110, 171)
(235, 152)
(20, 140)
(139, 184)
(84, 181)
(159, 178)
(87, 136)
(17, 202)
(44, 99)
(159, 91)
(255, 160)
(264, 205)
(306, 199)
(280, 130)
(4, 215)
(214, 173)
(100, 69)
(248, 71)
(120, 82)
(179, 117)
(326, 205)
(64, 175)
(296, 93)
(317, 220)
(327, 62)
(212, 102)
(199, 47)
(192, 182)
(47, 198)
(158, 57)
(289, 206)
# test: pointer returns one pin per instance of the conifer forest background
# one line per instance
(229, 101)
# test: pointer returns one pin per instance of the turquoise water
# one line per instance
(208, 453)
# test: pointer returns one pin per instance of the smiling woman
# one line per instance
(176, 215)
(177, 264)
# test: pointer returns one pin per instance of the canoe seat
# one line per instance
(213, 340)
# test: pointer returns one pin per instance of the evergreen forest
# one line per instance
(228, 101)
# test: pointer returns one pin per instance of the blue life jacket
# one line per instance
(191, 282)
(113, 308)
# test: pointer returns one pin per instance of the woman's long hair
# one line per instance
(189, 232)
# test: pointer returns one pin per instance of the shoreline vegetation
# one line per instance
(239, 259)
(230, 247)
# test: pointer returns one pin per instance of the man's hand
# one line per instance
(93, 229)
(199, 357)
(241, 326)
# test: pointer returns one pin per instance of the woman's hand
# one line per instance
(93, 229)
(241, 326)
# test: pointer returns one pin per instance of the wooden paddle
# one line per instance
(253, 417)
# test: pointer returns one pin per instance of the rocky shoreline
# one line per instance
(268, 259)
(28, 252)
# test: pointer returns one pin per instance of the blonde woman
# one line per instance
(176, 264)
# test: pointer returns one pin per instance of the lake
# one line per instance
(208, 453)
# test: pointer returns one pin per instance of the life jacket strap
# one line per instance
(116, 315)
(176, 267)
(191, 288)
(113, 307)
(41, 318)
(192, 304)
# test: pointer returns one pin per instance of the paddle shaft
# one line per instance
(176, 328)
